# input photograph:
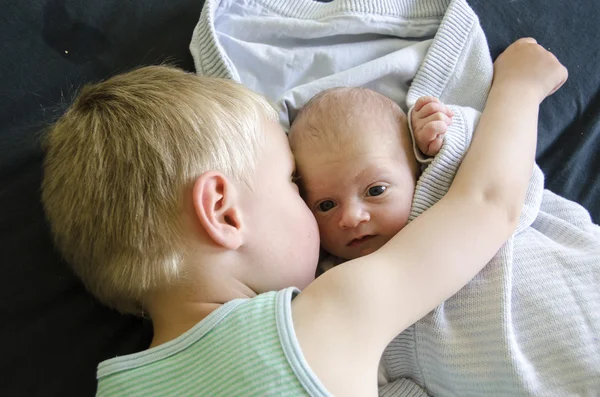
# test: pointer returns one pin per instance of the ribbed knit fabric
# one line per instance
(402, 387)
(529, 323)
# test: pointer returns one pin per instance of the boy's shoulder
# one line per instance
(245, 347)
(328, 262)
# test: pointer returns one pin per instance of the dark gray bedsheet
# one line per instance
(53, 333)
(569, 126)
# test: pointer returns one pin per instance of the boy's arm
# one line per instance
(345, 319)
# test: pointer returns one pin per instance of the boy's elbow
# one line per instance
(503, 208)
(505, 205)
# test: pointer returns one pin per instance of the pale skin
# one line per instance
(342, 319)
(361, 191)
(430, 121)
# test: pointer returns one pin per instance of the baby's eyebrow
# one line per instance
(371, 172)
(308, 193)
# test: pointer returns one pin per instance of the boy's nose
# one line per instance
(352, 216)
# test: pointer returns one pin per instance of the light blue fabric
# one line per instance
(291, 50)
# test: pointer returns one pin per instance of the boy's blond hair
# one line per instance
(119, 160)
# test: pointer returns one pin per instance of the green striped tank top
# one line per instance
(247, 347)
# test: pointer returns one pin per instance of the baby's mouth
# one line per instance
(360, 240)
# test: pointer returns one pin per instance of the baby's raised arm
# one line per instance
(345, 318)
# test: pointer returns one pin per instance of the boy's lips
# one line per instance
(358, 241)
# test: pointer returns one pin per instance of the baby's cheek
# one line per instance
(396, 221)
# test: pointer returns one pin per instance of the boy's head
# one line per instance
(147, 164)
(356, 166)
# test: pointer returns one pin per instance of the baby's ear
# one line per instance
(217, 208)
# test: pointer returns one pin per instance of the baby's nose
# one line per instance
(353, 215)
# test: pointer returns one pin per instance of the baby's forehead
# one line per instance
(344, 115)
(348, 104)
(345, 141)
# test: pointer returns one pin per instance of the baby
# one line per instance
(358, 167)
(513, 330)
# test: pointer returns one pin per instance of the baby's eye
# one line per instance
(376, 191)
(326, 205)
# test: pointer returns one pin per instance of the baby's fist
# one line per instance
(430, 120)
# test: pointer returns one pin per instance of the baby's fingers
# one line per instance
(434, 129)
(420, 123)
(424, 100)
(430, 137)
(434, 146)
(427, 105)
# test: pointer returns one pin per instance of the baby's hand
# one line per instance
(430, 120)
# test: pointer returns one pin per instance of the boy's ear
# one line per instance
(217, 209)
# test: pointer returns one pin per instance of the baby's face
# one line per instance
(360, 196)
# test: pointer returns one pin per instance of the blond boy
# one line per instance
(173, 195)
